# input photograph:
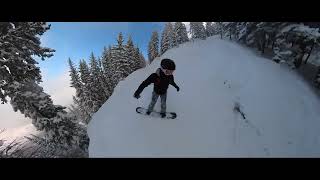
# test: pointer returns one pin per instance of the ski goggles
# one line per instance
(167, 71)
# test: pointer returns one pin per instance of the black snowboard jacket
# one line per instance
(161, 83)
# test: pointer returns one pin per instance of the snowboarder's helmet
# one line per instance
(168, 64)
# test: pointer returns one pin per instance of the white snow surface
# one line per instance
(282, 113)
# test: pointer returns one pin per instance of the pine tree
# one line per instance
(87, 98)
(142, 61)
(172, 36)
(119, 61)
(75, 79)
(106, 64)
(317, 78)
(78, 110)
(153, 47)
(137, 57)
(75, 111)
(230, 29)
(130, 53)
(111, 66)
(93, 88)
(166, 39)
(20, 78)
(150, 53)
(78, 100)
(103, 81)
(197, 30)
(180, 32)
(96, 84)
(219, 29)
(209, 29)
(84, 72)
(104, 59)
(241, 30)
(293, 42)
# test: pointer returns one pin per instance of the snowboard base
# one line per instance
(169, 115)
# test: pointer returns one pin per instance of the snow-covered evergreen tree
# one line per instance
(230, 29)
(317, 78)
(119, 62)
(20, 78)
(111, 68)
(219, 29)
(103, 81)
(215, 28)
(265, 33)
(87, 99)
(107, 69)
(96, 85)
(153, 46)
(293, 42)
(141, 62)
(75, 78)
(78, 99)
(197, 30)
(170, 35)
(78, 110)
(137, 57)
(104, 59)
(209, 29)
(173, 36)
(180, 31)
(166, 38)
(130, 54)
(84, 72)
(92, 92)
(99, 63)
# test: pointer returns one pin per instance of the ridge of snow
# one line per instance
(281, 111)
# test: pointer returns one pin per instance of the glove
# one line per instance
(136, 95)
(178, 89)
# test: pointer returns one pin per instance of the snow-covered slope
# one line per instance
(282, 114)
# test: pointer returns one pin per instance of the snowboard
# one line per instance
(169, 115)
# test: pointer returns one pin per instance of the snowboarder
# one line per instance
(161, 80)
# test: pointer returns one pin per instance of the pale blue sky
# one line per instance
(78, 39)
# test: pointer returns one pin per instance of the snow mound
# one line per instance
(231, 104)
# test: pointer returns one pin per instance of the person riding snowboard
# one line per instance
(161, 80)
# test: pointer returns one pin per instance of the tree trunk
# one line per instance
(286, 37)
(263, 46)
(315, 79)
(305, 62)
(272, 44)
(298, 61)
(263, 42)
(268, 42)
